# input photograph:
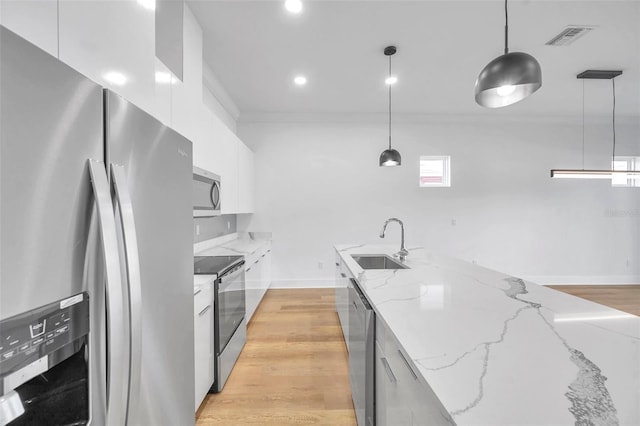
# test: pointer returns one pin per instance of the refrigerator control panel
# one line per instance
(25, 338)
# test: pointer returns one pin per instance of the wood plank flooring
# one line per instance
(294, 367)
(623, 297)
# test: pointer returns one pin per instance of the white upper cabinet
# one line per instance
(187, 94)
(162, 108)
(217, 149)
(229, 171)
(113, 43)
(246, 178)
(35, 21)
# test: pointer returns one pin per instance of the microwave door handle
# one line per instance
(116, 374)
(215, 195)
(132, 257)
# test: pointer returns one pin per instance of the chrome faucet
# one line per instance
(402, 254)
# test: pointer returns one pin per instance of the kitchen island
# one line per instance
(497, 350)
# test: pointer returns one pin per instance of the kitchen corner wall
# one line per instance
(320, 184)
(206, 228)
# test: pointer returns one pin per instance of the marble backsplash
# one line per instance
(206, 228)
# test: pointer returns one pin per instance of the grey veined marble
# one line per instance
(499, 350)
(591, 403)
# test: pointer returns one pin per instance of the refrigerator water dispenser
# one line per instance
(44, 376)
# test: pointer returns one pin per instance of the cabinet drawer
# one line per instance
(203, 354)
(202, 297)
(397, 358)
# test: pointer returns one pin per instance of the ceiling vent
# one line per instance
(569, 35)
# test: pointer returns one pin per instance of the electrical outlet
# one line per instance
(228, 224)
(197, 229)
(453, 222)
(320, 265)
(627, 263)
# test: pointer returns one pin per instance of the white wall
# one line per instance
(319, 184)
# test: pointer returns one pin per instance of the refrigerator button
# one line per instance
(38, 328)
(7, 355)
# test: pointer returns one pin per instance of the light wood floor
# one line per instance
(293, 369)
(623, 297)
(294, 366)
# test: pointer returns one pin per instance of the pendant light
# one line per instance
(597, 174)
(508, 78)
(390, 157)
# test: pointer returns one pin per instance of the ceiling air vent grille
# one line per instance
(569, 35)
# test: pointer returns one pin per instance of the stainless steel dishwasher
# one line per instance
(362, 338)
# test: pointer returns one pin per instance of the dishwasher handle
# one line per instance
(361, 299)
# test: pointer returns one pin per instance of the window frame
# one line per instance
(630, 163)
(446, 171)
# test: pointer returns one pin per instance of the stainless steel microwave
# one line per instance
(206, 193)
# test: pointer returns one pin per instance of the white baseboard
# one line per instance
(584, 280)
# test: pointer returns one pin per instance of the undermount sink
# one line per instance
(377, 261)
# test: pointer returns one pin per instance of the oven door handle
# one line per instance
(231, 276)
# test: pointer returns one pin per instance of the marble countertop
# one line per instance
(498, 350)
(243, 244)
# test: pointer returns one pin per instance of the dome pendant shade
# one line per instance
(390, 157)
(508, 79)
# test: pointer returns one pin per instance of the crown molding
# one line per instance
(364, 118)
(216, 88)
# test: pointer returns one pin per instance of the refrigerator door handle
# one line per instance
(116, 331)
(125, 207)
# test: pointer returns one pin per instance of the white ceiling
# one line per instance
(256, 47)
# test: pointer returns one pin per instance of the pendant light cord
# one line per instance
(613, 155)
(390, 103)
(583, 124)
(506, 28)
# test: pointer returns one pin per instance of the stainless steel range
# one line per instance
(230, 327)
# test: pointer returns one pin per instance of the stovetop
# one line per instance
(209, 265)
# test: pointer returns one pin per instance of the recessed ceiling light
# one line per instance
(163, 77)
(293, 6)
(115, 77)
(148, 4)
(391, 80)
(300, 80)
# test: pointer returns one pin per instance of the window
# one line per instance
(435, 170)
(626, 163)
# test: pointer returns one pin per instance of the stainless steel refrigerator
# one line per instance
(95, 206)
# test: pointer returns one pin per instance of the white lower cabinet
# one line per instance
(401, 398)
(392, 390)
(203, 336)
(342, 298)
(257, 278)
(251, 281)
